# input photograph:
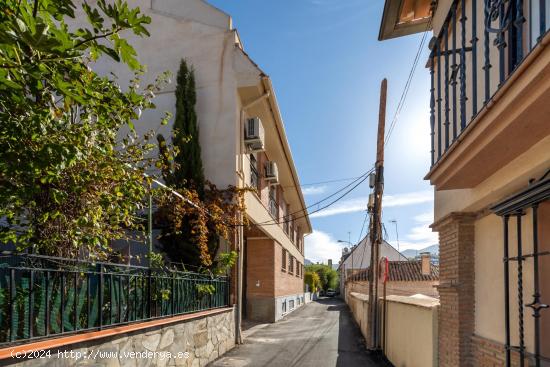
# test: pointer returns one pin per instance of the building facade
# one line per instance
(489, 67)
(358, 259)
(402, 278)
(243, 142)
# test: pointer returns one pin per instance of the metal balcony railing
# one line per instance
(481, 43)
(43, 297)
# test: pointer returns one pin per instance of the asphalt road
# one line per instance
(320, 334)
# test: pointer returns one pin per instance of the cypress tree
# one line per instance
(188, 171)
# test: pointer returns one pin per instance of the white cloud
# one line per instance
(314, 190)
(426, 217)
(421, 235)
(320, 246)
(360, 204)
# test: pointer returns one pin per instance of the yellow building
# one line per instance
(490, 147)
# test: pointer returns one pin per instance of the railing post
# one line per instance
(75, 301)
(446, 96)
(62, 290)
(13, 322)
(48, 311)
(149, 294)
(454, 68)
(486, 52)
(542, 19)
(474, 57)
(100, 297)
(463, 97)
(506, 292)
(31, 303)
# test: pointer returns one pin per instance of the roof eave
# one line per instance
(390, 26)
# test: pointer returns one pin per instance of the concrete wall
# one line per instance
(409, 338)
(194, 342)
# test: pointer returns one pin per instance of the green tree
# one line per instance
(70, 181)
(311, 278)
(185, 170)
(192, 234)
(328, 277)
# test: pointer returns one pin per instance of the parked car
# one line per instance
(331, 292)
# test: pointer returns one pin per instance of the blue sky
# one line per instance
(326, 65)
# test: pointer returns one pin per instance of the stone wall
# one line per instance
(194, 342)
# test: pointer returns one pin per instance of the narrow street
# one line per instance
(321, 334)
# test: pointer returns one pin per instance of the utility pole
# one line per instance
(376, 225)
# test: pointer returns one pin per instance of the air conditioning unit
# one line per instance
(254, 135)
(271, 172)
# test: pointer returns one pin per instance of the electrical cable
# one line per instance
(405, 92)
(288, 217)
(317, 210)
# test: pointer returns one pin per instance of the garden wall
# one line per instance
(188, 340)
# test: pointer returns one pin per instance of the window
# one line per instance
(298, 268)
(290, 264)
(283, 307)
(254, 178)
(526, 212)
(284, 260)
(286, 225)
(273, 207)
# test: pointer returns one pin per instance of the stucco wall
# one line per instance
(409, 337)
(195, 342)
(411, 331)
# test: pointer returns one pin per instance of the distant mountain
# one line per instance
(433, 249)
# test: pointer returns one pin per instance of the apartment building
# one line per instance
(243, 142)
(489, 67)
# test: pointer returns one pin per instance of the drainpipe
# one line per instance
(240, 240)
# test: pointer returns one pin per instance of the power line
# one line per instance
(319, 209)
(363, 227)
(288, 217)
(326, 182)
(407, 85)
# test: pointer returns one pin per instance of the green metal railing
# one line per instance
(44, 296)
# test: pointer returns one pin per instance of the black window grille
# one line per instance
(513, 211)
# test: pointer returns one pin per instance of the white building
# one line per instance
(231, 89)
(358, 258)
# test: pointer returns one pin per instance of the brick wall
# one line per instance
(456, 289)
(260, 267)
(488, 353)
(286, 283)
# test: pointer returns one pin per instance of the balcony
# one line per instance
(484, 59)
